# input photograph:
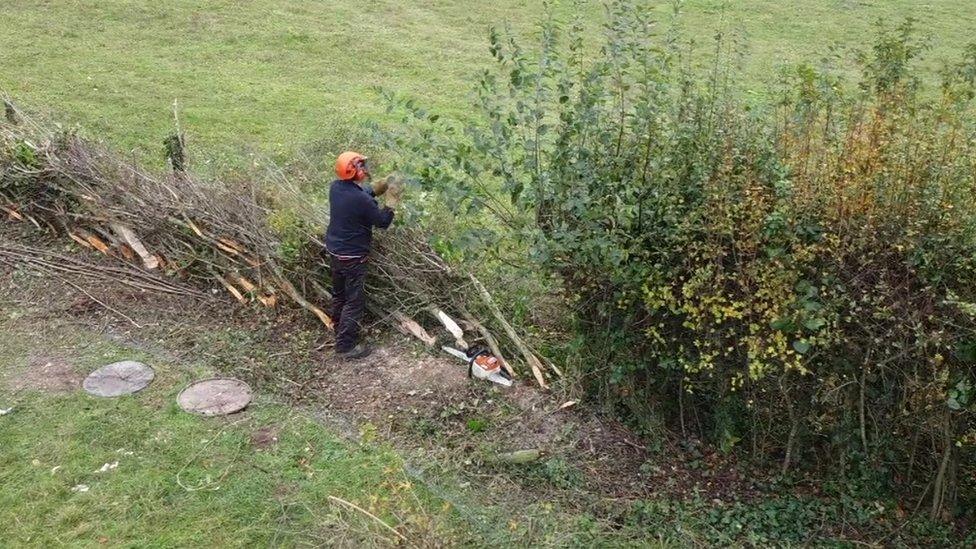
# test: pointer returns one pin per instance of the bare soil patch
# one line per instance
(49, 374)
(265, 437)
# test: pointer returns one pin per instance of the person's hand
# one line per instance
(380, 187)
(395, 186)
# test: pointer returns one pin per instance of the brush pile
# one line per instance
(258, 239)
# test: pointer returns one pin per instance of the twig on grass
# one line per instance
(209, 484)
(106, 306)
(370, 515)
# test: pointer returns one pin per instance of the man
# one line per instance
(353, 214)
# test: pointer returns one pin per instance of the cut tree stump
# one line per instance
(118, 379)
(215, 397)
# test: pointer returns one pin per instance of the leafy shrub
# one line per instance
(787, 521)
(797, 277)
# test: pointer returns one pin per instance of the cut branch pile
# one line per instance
(212, 233)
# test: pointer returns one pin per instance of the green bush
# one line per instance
(795, 278)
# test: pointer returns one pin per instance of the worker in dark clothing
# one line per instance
(353, 214)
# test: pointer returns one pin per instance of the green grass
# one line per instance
(187, 481)
(183, 480)
(276, 75)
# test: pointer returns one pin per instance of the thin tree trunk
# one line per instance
(911, 459)
(681, 405)
(860, 409)
(790, 441)
(941, 480)
(794, 428)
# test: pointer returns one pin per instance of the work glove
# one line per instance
(380, 187)
(394, 191)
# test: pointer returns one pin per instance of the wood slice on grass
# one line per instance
(216, 396)
(118, 379)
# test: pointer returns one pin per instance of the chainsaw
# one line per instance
(482, 364)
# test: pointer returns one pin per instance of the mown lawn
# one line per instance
(276, 75)
(264, 477)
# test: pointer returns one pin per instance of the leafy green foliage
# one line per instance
(786, 521)
(24, 155)
(477, 425)
(798, 274)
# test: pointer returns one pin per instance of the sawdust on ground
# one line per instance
(49, 374)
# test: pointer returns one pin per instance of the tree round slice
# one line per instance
(119, 378)
(215, 396)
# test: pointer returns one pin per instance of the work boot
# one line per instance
(357, 352)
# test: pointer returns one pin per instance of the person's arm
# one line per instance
(378, 188)
(378, 217)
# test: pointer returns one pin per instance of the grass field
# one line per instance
(275, 75)
(263, 478)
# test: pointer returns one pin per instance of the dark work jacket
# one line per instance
(353, 212)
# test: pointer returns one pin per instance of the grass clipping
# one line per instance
(257, 238)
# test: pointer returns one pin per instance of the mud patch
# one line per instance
(47, 374)
(265, 438)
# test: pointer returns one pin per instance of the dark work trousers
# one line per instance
(348, 300)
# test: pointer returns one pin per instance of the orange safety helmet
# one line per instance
(351, 165)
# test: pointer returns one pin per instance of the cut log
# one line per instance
(81, 241)
(12, 213)
(96, 242)
(231, 244)
(248, 286)
(519, 457)
(552, 366)
(291, 292)
(127, 251)
(410, 326)
(230, 288)
(148, 260)
(194, 228)
(226, 248)
(451, 327)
